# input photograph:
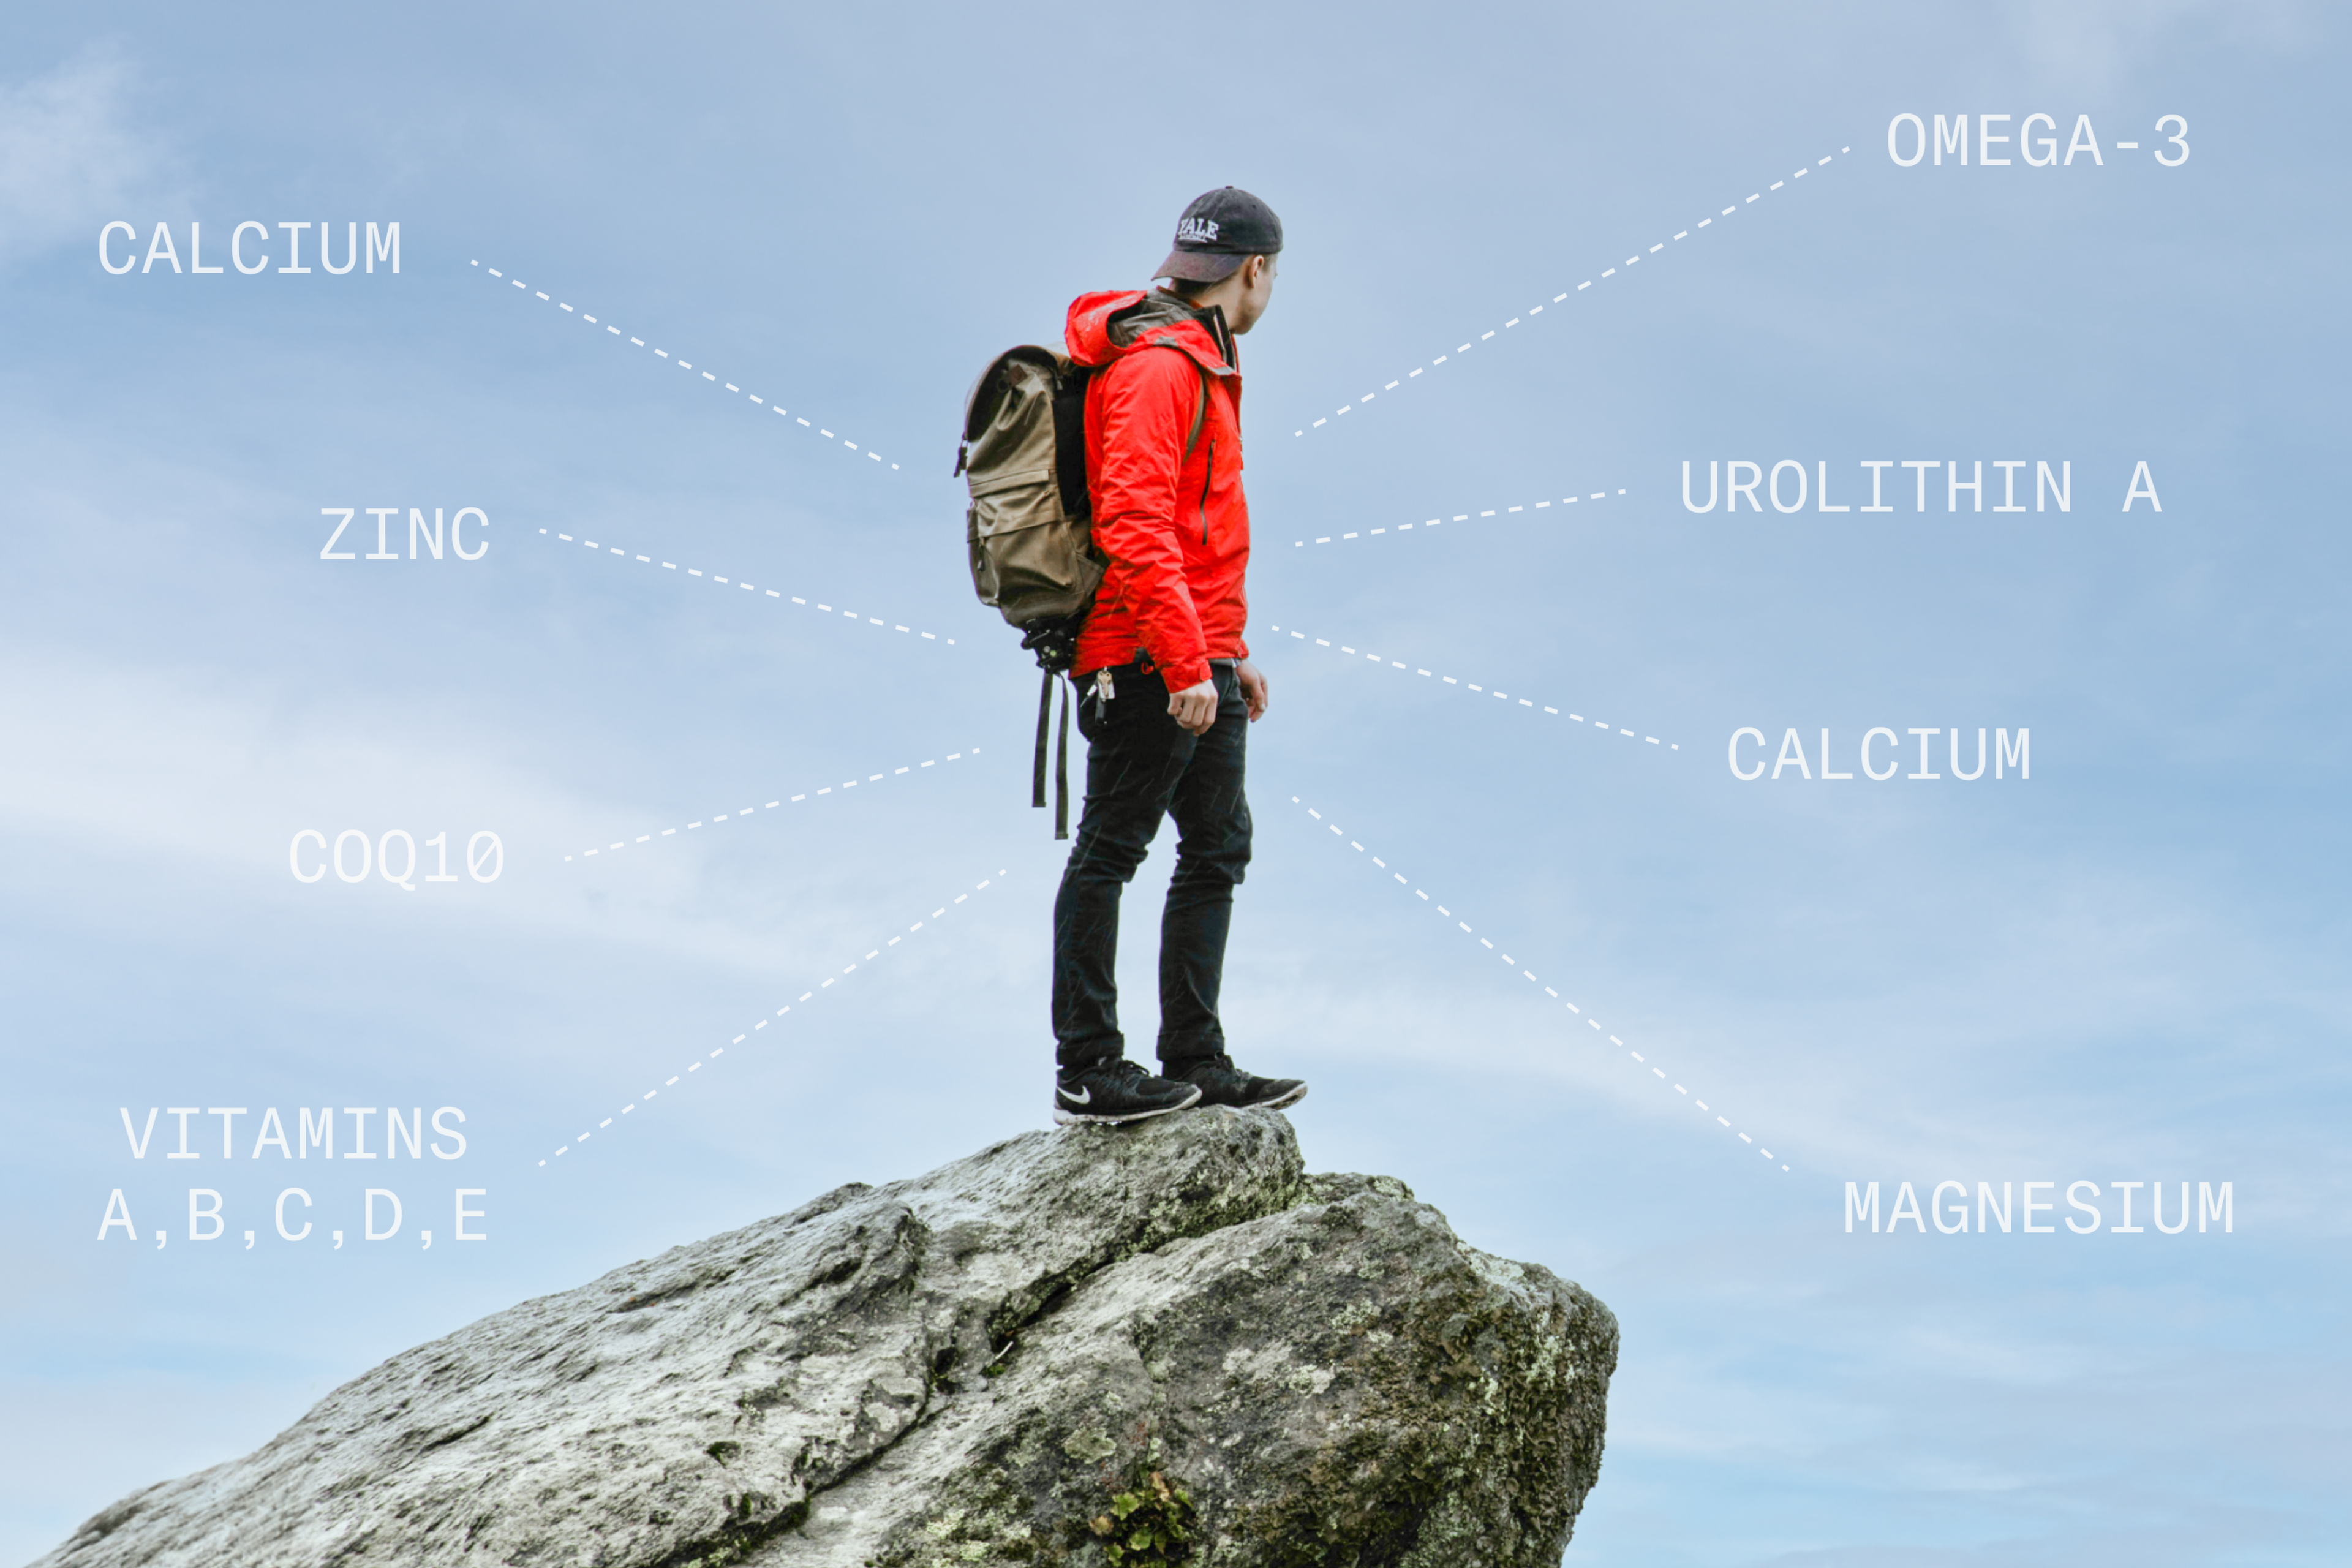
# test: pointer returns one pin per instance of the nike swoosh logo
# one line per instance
(1084, 1097)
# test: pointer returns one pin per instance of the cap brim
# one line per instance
(1200, 265)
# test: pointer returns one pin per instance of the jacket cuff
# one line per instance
(1185, 673)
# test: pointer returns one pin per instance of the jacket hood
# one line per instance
(1103, 326)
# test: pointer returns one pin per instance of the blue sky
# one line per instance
(2126, 967)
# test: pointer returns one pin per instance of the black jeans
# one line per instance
(1140, 766)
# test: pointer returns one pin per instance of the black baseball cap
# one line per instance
(1218, 232)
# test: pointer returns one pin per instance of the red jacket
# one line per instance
(1174, 526)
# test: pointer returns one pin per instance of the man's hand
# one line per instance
(1254, 690)
(1195, 707)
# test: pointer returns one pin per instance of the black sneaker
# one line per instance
(1116, 1091)
(1222, 1083)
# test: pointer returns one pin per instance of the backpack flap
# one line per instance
(1030, 551)
(1007, 380)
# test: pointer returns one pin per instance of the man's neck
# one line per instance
(1222, 298)
(1211, 313)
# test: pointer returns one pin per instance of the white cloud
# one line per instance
(200, 780)
(2101, 43)
(69, 157)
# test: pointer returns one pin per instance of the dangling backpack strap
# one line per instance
(1061, 770)
(1044, 712)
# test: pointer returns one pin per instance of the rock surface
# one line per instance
(985, 1365)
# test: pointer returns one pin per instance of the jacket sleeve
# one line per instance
(1148, 405)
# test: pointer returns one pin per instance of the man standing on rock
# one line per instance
(1167, 691)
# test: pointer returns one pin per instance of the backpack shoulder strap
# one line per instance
(1199, 412)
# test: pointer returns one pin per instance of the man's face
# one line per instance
(1257, 293)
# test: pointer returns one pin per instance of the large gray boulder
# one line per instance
(1162, 1343)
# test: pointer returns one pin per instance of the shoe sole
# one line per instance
(1278, 1103)
(1075, 1118)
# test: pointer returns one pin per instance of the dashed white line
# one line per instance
(684, 364)
(1556, 299)
(1530, 976)
(1463, 517)
(721, 1050)
(1602, 724)
(748, 587)
(742, 811)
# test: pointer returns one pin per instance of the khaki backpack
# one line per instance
(1029, 532)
